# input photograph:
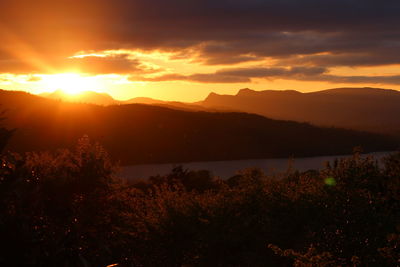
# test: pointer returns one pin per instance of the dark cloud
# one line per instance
(238, 75)
(112, 64)
(347, 59)
(120, 64)
(356, 32)
(392, 79)
(242, 75)
(271, 72)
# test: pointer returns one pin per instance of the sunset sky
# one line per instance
(185, 49)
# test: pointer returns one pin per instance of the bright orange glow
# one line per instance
(65, 74)
(23, 51)
(69, 83)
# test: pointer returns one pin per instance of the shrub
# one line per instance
(68, 208)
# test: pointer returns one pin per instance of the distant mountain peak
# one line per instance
(211, 96)
(245, 91)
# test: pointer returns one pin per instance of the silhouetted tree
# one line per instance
(68, 208)
(5, 134)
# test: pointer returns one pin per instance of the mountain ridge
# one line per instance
(138, 133)
(358, 108)
(368, 109)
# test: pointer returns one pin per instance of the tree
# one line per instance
(5, 134)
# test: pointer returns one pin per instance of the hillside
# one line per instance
(103, 99)
(138, 133)
(169, 104)
(369, 109)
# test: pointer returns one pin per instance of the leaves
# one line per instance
(68, 208)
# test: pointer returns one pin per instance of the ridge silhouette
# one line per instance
(137, 133)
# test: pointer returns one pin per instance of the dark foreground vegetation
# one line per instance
(67, 208)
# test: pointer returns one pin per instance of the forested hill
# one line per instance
(138, 133)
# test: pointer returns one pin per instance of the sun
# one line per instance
(69, 83)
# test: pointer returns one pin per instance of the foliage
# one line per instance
(308, 259)
(5, 134)
(68, 209)
(58, 208)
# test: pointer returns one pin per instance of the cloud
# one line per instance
(95, 65)
(261, 72)
(200, 78)
(236, 75)
(224, 32)
(392, 79)
(347, 59)
(245, 75)
(113, 64)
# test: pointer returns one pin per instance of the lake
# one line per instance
(226, 169)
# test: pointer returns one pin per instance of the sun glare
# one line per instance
(69, 83)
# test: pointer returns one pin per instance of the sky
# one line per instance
(184, 49)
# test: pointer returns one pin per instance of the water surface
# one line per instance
(226, 169)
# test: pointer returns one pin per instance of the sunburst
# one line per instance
(69, 83)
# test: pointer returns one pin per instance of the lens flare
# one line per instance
(330, 181)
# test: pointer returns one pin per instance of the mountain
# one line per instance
(137, 133)
(170, 104)
(368, 109)
(89, 97)
(143, 100)
(103, 99)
